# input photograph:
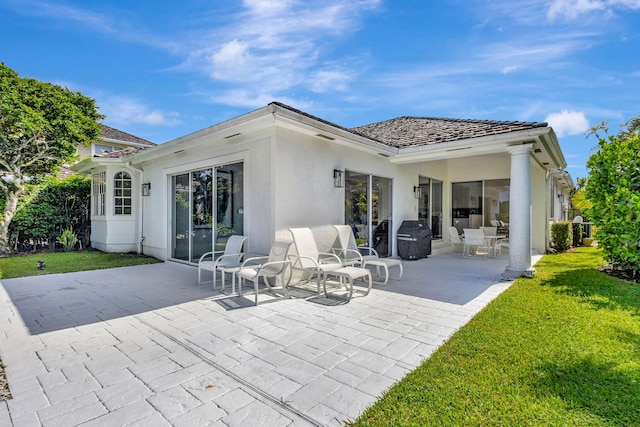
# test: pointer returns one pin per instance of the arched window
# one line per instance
(122, 194)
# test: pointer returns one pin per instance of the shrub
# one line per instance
(577, 234)
(68, 239)
(561, 235)
(47, 208)
(614, 191)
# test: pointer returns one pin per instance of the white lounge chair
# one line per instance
(474, 238)
(228, 262)
(346, 248)
(455, 239)
(309, 259)
(270, 268)
(351, 255)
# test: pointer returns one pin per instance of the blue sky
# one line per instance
(162, 69)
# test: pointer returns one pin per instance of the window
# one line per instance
(122, 194)
(480, 203)
(98, 190)
(430, 205)
(102, 148)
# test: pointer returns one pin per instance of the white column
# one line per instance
(520, 213)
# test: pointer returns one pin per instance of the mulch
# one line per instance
(628, 275)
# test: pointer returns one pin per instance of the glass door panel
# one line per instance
(430, 205)
(197, 205)
(466, 207)
(381, 215)
(201, 213)
(368, 210)
(181, 217)
(356, 206)
(229, 203)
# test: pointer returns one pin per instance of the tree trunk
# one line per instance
(10, 207)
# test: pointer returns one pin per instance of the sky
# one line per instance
(164, 69)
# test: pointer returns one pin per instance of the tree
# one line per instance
(630, 127)
(579, 201)
(613, 188)
(41, 124)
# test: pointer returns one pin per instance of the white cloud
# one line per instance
(568, 122)
(272, 47)
(510, 69)
(120, 109)
(572, 9)
(330, 80)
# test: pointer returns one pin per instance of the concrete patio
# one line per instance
(146, 346)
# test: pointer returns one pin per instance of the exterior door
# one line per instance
(368, 210)
(202, 198)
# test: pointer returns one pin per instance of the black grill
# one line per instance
(414, 240)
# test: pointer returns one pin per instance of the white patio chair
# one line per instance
(345, 246)
(309, 259)
(502, 243)
(270, 268)
(489, 231)
(455, 239)
(474, 238)
(228, 262)
(351, 254)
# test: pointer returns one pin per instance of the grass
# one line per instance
(67, 262)
(562, 348)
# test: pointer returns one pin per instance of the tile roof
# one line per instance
(118, 154)
(112, 133)
(404, 132)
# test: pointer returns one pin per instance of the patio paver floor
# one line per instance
(145, 345)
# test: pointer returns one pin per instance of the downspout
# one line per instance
(140, 172)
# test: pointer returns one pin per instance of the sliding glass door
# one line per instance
(368, 210)
(479, 203)
(202, 198)
(430, 205)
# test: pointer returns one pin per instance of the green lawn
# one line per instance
(562, 348)
(66, 262)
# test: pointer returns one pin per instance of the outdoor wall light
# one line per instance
(338, 178)
(561, 198)
(146, 188)
(417, 192)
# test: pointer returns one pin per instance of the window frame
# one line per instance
(122, 194)
(99, 193)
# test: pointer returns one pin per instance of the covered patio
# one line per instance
(146, 346)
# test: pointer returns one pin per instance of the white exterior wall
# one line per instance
(539, 203)
(288, 182)
(304, 190)
(116, 233)
(206, 152)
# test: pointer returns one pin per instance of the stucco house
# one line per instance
(278, 167)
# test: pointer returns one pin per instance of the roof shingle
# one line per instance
(112, 133)
(403, 132)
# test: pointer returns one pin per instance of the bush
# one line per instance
(561, 235)
(48, 208)
(577, 234)
(614, 191)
